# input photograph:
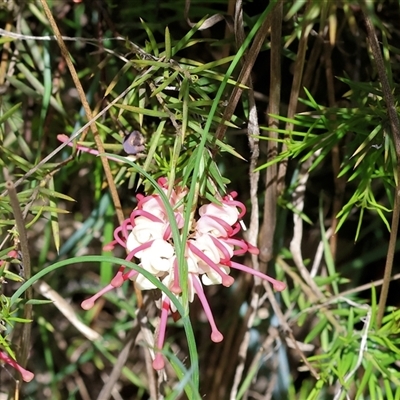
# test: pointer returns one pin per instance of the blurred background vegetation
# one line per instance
(282, 101)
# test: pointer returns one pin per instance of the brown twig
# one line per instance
(395, 127)
(267, 231)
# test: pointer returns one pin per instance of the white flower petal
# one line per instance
(228, 213)
(153, 206)
(212, 277)
(144, 231)
(158, 257)
(143, 283)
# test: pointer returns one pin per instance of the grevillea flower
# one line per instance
(27, 376)
(211, 245)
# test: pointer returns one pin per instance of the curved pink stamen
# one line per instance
(158, 362)
(143, 213)
(27, 376)
(155, 197)
(224, 224)
(221, 248)
(118, 239)
(143, 200)
(219, 224)
(143, 246)
(243, 248)
(89, 303)
(237, 242)
(235, 229)
(126, 225)
(226, 279)
(229, 200)
(216, 335)
(278, 285)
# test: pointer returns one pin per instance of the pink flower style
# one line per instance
(27, 376)
(147, 236)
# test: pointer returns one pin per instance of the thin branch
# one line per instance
(123, 355)
(395, 125)
(286, 328)
(334, 299)
(267, 231)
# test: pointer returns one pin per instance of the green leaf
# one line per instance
(142, 111)
(166, 82)
(316, 330)
(38, 302)
(168, 49)
(54, 218)
(153, 42)
(9, 113)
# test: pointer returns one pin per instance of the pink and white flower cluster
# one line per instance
(209, 250)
